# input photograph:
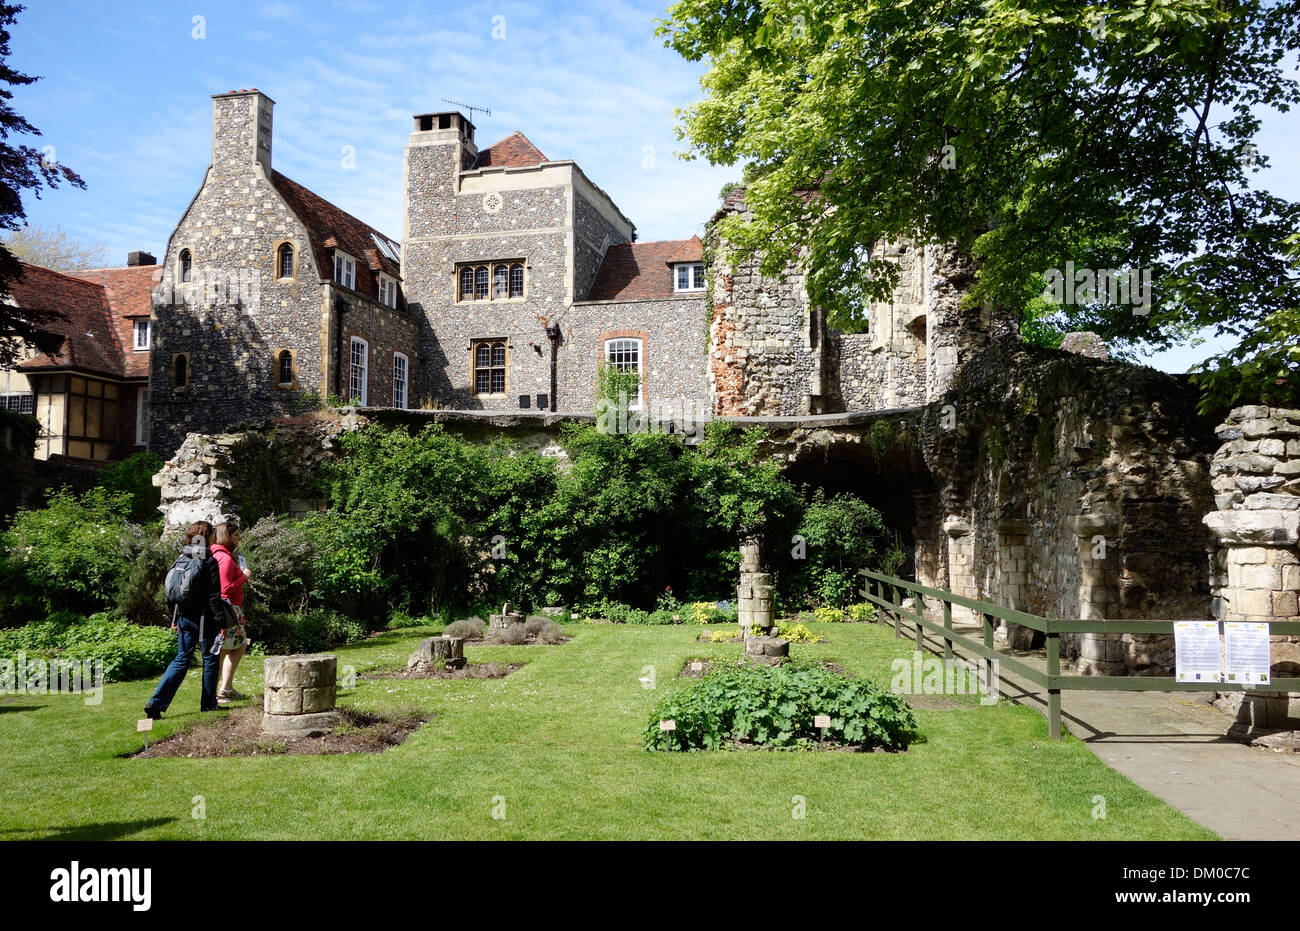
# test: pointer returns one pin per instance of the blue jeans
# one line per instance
(187, 637)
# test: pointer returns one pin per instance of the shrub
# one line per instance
(797, 633)
(471, 628)
(318, 629)
(510, 636)
(843, 534)
(775, 706)
(72, 554)
(140, 597)
(544, 629)
(711, 612)
(401, 620)
(828, 615)
(133, 476)
(862, 611)
(127, 650)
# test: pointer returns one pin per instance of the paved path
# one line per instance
(1174, 745)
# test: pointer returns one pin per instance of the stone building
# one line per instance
(526, 279)
(270, 293)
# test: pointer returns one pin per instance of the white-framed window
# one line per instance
(141, 330)
(22, 403)
(625, 353)
(387, 291)
(142, 417)
(345, 270)
(689, 276)
(400, 369)
(359, 371)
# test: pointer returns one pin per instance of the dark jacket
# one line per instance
(205, 601)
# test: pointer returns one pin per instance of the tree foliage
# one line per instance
(51, 247)
(22, 168)
(1030, 132)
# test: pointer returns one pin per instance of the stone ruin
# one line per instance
(1256, 569)
(507, 619)
(300, 693)
(755, 608)
(754, 596)
(449, 650)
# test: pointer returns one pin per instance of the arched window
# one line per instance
(187, 265)
(490, 367)
(286, 367)
(517, 280)
(500, 281)
(481, 283)
(466, 284)
(284, 261)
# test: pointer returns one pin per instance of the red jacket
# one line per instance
(232, 577)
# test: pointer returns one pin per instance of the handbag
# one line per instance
(236, 636)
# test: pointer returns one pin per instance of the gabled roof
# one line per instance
(514, 151)
(85, 332)
(643, 270)
(129, 293)
(331, 228)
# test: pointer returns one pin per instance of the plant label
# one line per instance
(697, 667)
(144, 724)
(667, 725)
(821, 720)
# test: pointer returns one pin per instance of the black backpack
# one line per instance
(180, 583)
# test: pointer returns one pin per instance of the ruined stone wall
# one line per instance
(766, 346)
(1075, 488)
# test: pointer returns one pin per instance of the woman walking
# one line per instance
(233, 578)
(197, 618)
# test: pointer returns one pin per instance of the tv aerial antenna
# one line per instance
(465, 106)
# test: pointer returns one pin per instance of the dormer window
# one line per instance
(689, 276)
(141, 329)
(387, 291)
(345, 270)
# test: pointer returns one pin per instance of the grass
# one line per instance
(558, 742)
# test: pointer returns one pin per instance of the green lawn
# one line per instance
(559, 742)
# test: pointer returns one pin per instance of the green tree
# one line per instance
(1030, 132)
(22, 167)
(51, 247)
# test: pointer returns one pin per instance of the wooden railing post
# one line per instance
(897, 604)
(947, 625)
(988, 642)
(1053, 695)
(919, 602)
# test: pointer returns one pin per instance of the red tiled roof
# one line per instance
(642, 270)
(129, 298)
(87, 337)
(514, 151)
(331, 228)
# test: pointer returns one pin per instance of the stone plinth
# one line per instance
(507, 618)
(769, 651)
(755, 596)
(448, 649)
(300, 692)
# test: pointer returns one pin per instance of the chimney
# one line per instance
(448, 126)
(139, 258)
(241, 131)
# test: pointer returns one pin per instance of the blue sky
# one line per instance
(125, 101)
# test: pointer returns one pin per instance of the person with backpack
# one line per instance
(193, 588)
(234, 576)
